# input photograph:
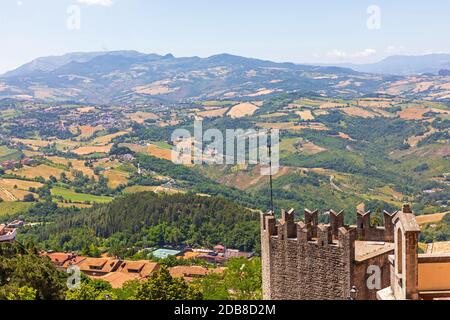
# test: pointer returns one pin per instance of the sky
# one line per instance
(300, 31)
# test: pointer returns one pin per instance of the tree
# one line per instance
(21, 271)
(213, 287)
(244, 278)
(29, 198)
(21, 293)
(128, 290)
(63, 177)
(91, 290)
(241, 280)
(162, 286)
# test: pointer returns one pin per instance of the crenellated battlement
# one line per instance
(288, 228)
(367, 232)
(311, 260)
(310, 230)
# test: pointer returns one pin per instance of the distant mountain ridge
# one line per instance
(131, 77)
(406, 65)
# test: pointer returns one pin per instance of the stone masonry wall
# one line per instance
(308, 261)
(300, 267)
(307, 271)
(360, 276)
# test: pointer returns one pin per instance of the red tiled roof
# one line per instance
(118, 279)
(74, 261)
(98, 265)
(143, 268)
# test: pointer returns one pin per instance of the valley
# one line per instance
(96, 177)
(377, 151)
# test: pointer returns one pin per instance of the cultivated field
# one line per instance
(359, 112)
(42, 170)
(87, 150)
(292, 126)
(34, 144)
(152, 149)
(140, 116)
(310, 148)
(242, 110)
(78, 165)
(273, 115)
(305, 115)
(331, 105)
(414, 113)
(261, 92)
(86, 109)
(20, 184)
(431, 218)
(11, 208)
(244, 180)
(116, 178)
(88, 131)
(8, 154)
(213, 113)
(155, 88)
(159, 189)
(103, 140)
(70, 195)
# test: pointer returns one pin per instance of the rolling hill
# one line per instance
(406, 65)
(129, 77)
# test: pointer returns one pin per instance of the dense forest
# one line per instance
(146, 220)
(26, 276)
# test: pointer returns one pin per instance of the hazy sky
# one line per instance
(325, 31)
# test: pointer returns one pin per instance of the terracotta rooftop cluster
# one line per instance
(117, 271)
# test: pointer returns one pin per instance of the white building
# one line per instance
(7, 234)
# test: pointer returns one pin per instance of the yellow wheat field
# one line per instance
(140, 116)
(87, 150)
(213, 113)
(242, 110)
(42, 170)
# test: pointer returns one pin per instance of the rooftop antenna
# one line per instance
(269, 146)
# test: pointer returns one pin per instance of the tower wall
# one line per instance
(309, 261)
(367, 232)
(307, 265)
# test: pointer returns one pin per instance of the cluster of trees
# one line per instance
(435, 137)
(146, 220)
(441, 124)
(147, 133)
(240, 280)
(85, 184)
(436, 232)
(24, 275)
(159, 286)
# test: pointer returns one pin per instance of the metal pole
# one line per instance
(270, 170)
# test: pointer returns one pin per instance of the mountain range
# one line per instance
(130, 77)
(405, 65)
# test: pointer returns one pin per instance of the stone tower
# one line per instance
(310, 261)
